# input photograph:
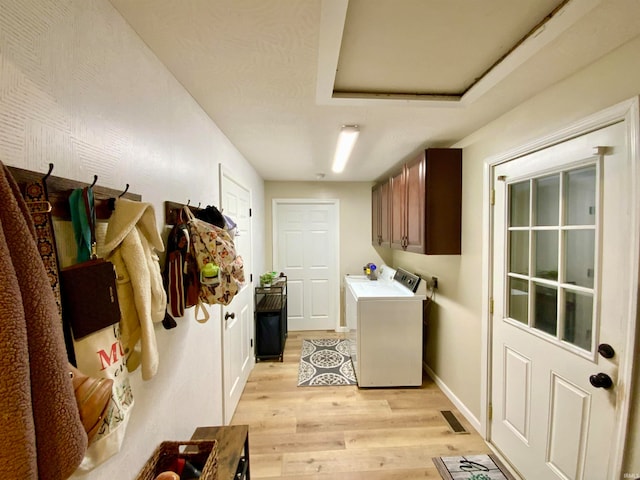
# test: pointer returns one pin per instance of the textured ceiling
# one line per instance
(279, 77)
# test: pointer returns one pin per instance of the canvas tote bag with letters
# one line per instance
(96, 335)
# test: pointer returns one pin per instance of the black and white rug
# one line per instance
(325, 361)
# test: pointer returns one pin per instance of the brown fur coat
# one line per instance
(41, 436)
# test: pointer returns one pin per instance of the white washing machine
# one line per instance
(384, 318)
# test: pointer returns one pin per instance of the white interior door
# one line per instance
(561, 280)
(237, 317)
(305, 248)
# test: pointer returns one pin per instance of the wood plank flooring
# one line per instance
(344, 433)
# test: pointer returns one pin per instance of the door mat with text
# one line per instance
(471, 467)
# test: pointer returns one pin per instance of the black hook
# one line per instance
(125, 191)
(188, 202)
(199, 203)
(95, 180)
(44, 179)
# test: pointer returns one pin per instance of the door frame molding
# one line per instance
(629, 112)
(336, 238)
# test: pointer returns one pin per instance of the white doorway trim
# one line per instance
(629, 112)
(336, 239)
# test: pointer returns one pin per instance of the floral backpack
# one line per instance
(221, 270)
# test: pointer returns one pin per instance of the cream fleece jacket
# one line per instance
(131, 243)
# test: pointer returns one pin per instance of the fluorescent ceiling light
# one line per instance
(346, 141)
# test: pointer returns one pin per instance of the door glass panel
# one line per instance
(519, 252)
(578, 325)
(552, 247)
(519, 299)
(580, 186)
(546, 308)
(519, 204)
(580, 246)
(547, 200)
(546, 254)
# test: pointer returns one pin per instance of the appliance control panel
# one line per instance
(409, 280)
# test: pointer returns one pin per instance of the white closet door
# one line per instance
(306, 250)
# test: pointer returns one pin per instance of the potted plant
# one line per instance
(266, 279)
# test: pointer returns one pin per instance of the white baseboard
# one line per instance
(342, 329)
(475, 423)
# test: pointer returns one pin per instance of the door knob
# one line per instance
(601, 380)
(228, 315)
(606, 350)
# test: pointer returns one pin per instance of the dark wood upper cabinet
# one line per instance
(380, 215)
(426, 203)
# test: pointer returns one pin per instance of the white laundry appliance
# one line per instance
(384, 318)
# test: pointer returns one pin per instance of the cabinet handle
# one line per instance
(228, 315)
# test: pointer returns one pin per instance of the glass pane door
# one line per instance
(551, 254)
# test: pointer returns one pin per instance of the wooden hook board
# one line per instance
(172, 210)
(60, 188)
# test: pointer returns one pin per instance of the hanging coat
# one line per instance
(41, 435)
(131, 243)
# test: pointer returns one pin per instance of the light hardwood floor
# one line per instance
(344, 433)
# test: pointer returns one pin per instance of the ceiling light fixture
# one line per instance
(346, 140)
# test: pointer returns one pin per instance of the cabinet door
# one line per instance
(415, 204)
(398, 218)
(443, 207)
(375, 215)
(385, 215)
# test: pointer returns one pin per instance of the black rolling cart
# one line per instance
(271, 319)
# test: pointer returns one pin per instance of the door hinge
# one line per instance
(250, 277)
(252, 342)
(491, 305)
(493, 196)
(249, 212)
(490, 411)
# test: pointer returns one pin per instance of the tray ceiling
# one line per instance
(279, 77)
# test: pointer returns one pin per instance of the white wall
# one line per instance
(454, 346)
(80, 89)
(355, 222)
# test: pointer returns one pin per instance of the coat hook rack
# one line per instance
(60, 188)
(172, 210)
(95, 180)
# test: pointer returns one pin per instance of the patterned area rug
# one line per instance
(325, 362)
(471, 467)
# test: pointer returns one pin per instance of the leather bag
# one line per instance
(92, 396)
(88, 289)
(89, 296)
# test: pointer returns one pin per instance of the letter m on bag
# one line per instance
(107, 359)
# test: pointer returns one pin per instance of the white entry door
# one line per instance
(237, 317)
(305, 248)
(561, 280)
